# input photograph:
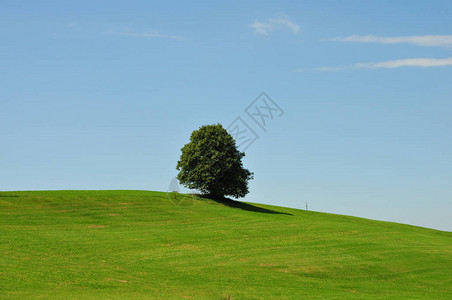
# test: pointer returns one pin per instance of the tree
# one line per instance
(212, 164)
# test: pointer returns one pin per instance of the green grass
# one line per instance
(138, 244)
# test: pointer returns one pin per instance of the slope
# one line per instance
(139, 244)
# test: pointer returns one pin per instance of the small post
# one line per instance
(306, 205)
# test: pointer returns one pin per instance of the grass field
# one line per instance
(138, 244)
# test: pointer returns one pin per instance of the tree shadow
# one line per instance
(242, 205)
(6, 195)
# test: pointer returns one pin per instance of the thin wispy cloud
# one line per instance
(419, 40)
(151, 34)
(409, 62)
(389, 64)
(280, 23)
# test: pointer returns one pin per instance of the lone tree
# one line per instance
(212, 164)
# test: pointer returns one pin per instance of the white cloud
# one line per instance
(409, 62)
(389, 64)
(151, 34)
(282, 22)
(261, 28)
(419, 40)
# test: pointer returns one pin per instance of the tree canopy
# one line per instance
(212, 164)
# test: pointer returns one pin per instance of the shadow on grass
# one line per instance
(242, 205)
(6, 195)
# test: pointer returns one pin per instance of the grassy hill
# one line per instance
(138, 244)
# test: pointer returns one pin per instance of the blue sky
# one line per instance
(103, 94)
